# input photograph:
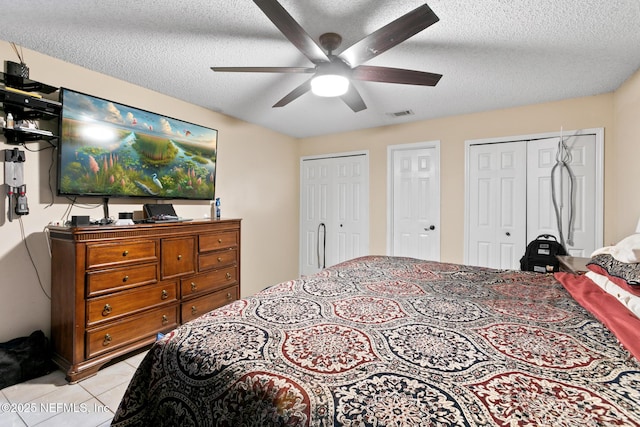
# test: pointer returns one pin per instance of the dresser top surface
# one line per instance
(98, 232)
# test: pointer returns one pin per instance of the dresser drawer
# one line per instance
(111, 254)
(101, 282)
(213, 241)
(201, 305)
(135, 328)
(114, 306)
(178, 257)
(211, 260)
(204, 283)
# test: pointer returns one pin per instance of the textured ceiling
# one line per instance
(492, 53)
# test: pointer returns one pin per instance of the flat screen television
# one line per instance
(109, 149)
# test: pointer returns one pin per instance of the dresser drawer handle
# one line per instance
(165, 294)
(228, 276)
(106, 310)
(219, 259)
(125, 278)
(193, 286)
(229, 296)
(179, 257)
(194, 309)
(125, 253)
(165, 319)
(219, 240)
(107, 340)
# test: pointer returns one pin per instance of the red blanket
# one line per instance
(622, 322)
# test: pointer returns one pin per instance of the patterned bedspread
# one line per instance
(383, 341)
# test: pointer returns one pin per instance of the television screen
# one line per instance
(113, 150)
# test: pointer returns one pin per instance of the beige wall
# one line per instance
(257, 180)
(452, 132)
(266, 197)
(624, 186)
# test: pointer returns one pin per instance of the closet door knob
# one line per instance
(508, 234)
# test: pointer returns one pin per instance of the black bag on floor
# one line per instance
(24, 358)
(540, 255)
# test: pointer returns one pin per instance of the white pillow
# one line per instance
(627, 250)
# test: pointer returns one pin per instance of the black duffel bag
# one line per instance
(24, 358)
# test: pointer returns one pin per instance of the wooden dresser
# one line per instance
(114, 288)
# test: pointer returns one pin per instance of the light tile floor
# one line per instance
(51, 401)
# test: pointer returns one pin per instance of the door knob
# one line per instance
(431, 227)
(508, 234)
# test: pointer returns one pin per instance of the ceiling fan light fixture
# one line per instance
(329, 85)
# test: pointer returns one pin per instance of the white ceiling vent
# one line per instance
(401, 113)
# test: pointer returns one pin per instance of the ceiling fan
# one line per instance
(339, 69)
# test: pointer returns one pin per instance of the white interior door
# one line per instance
(497, 204)
(334, 210)
(575, 189)
(415, 201)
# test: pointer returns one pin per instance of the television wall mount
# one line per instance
(14, 180)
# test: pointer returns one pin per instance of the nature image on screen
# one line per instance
(113, 150)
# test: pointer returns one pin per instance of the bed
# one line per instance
(391, 341)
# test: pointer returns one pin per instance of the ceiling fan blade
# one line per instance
(294, 94)
(389, 36)
(264, 69)
(292, 30)
(353, 99)
(395, 75)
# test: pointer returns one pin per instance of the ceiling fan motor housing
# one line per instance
(330, 41)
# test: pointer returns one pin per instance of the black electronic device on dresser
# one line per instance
(161, 213)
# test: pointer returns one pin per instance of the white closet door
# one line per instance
(497, 204)
(348, 222)
(541, 216)
(314, 185)
(334, 210)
